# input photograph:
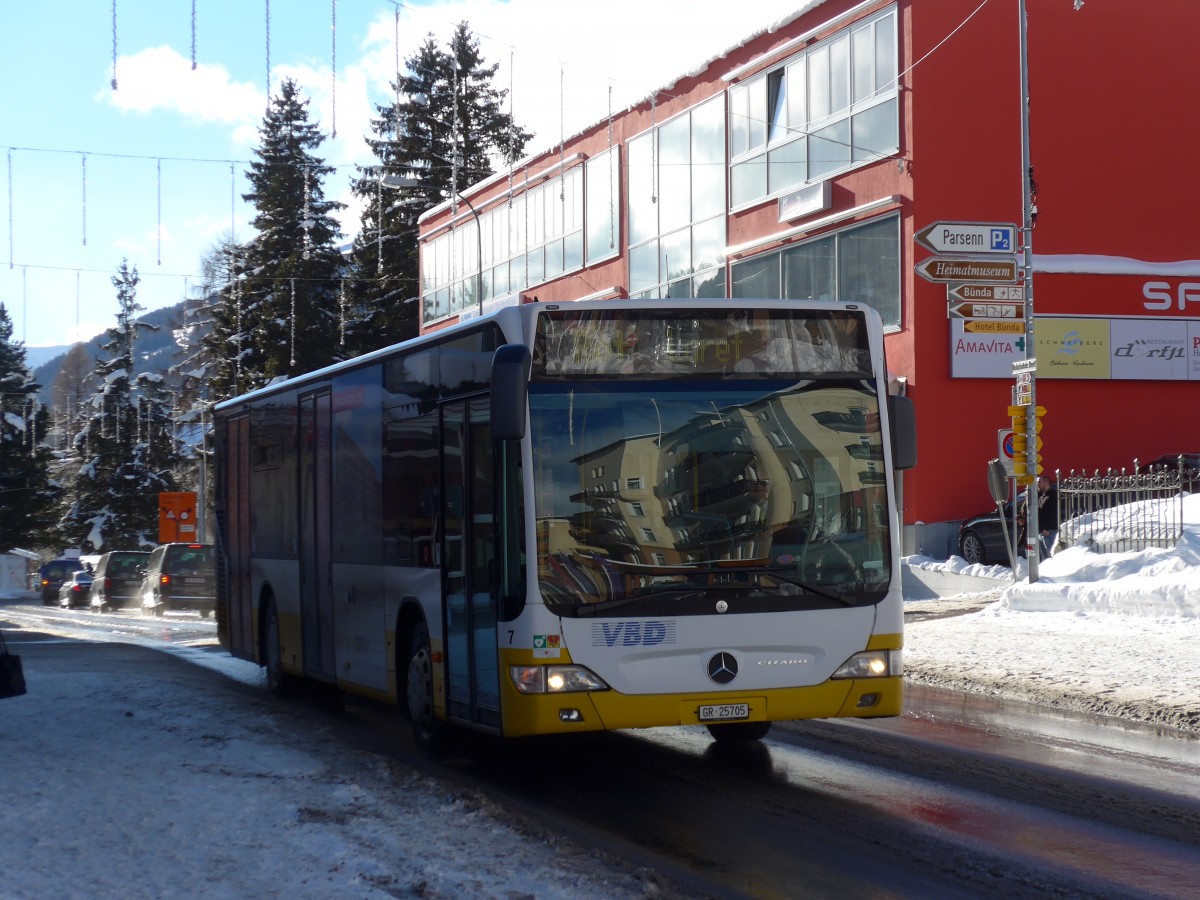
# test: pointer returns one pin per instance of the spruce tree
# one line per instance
(113, 497)
(26, 492)
(443, 133)
(287, 279)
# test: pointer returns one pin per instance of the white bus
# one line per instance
(579, 517)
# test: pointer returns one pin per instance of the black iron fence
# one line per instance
(1116, 511)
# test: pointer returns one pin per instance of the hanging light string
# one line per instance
(114, 42)
(612, 220)
(307, 254)
(158, 189)
(562, 133)
(293, 341)
(10, 209)
(232, 214)
(193, 35)
(268, 40)
(83, 159)
(512, 137)
(333, 58)
(342, 314)
(379, 226)
(653, 152)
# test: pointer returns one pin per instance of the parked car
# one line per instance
(118, 579)
(981, 537)
(51, 576)
(75, 590)
(180, 576)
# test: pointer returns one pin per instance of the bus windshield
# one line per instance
(765, 490)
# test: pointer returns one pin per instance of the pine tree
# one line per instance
(125, 454)
(26, 492)
(285, 284)
(443, 134)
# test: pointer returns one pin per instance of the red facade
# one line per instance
(1116, 248)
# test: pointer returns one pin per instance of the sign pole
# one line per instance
(1033, 541)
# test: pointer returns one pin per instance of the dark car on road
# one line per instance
(180, 576)
(118, 579)
(75, 590)
(51, 576)
(981, 538)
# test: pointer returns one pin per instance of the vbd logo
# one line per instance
(632, 634)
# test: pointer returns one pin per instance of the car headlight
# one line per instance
(872, 664)
(555, 679)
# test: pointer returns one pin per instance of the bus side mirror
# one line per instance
(903, 417)
(510, 391)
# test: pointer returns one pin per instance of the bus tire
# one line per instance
(279, 682)
(739, 732)
(428, 730)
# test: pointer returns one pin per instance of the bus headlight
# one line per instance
(555, 679)
(872, 664)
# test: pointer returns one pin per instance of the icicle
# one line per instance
(158, 188)
(293, 357)
(83, 158)
(653, 153)
(10, 209)
(333, 57)
(193, 35)
(307, 212)
(268, 15)
(114, 32)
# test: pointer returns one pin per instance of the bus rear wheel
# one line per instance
(739, 732)
(428, 730)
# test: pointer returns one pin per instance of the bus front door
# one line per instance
(316, 597)
(468, 514)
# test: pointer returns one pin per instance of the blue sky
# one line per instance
(93, 175)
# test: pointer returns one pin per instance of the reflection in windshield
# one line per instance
(772, 489)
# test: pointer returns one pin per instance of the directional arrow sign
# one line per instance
(989, 326)
(986, 310)
(954, 268)
(969, 237)
(984, 292)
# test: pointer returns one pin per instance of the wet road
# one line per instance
(964, 795)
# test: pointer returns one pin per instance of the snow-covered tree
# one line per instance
(280, 309)
(126, 451)
(445, 131)
(26, 492)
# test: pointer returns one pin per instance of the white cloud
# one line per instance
(160, 78)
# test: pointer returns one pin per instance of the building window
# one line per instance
(602, 202)
(677, 206)
(857, 264)
(537, 237)
(820, 112)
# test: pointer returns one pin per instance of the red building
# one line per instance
(806, 161)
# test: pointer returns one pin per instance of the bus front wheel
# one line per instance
(428, 730)
(279, 682)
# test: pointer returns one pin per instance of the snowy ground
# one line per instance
(94, 805)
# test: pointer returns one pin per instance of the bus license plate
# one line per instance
(724, 712)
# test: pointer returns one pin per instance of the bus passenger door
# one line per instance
(316, 597)
(468, 514)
